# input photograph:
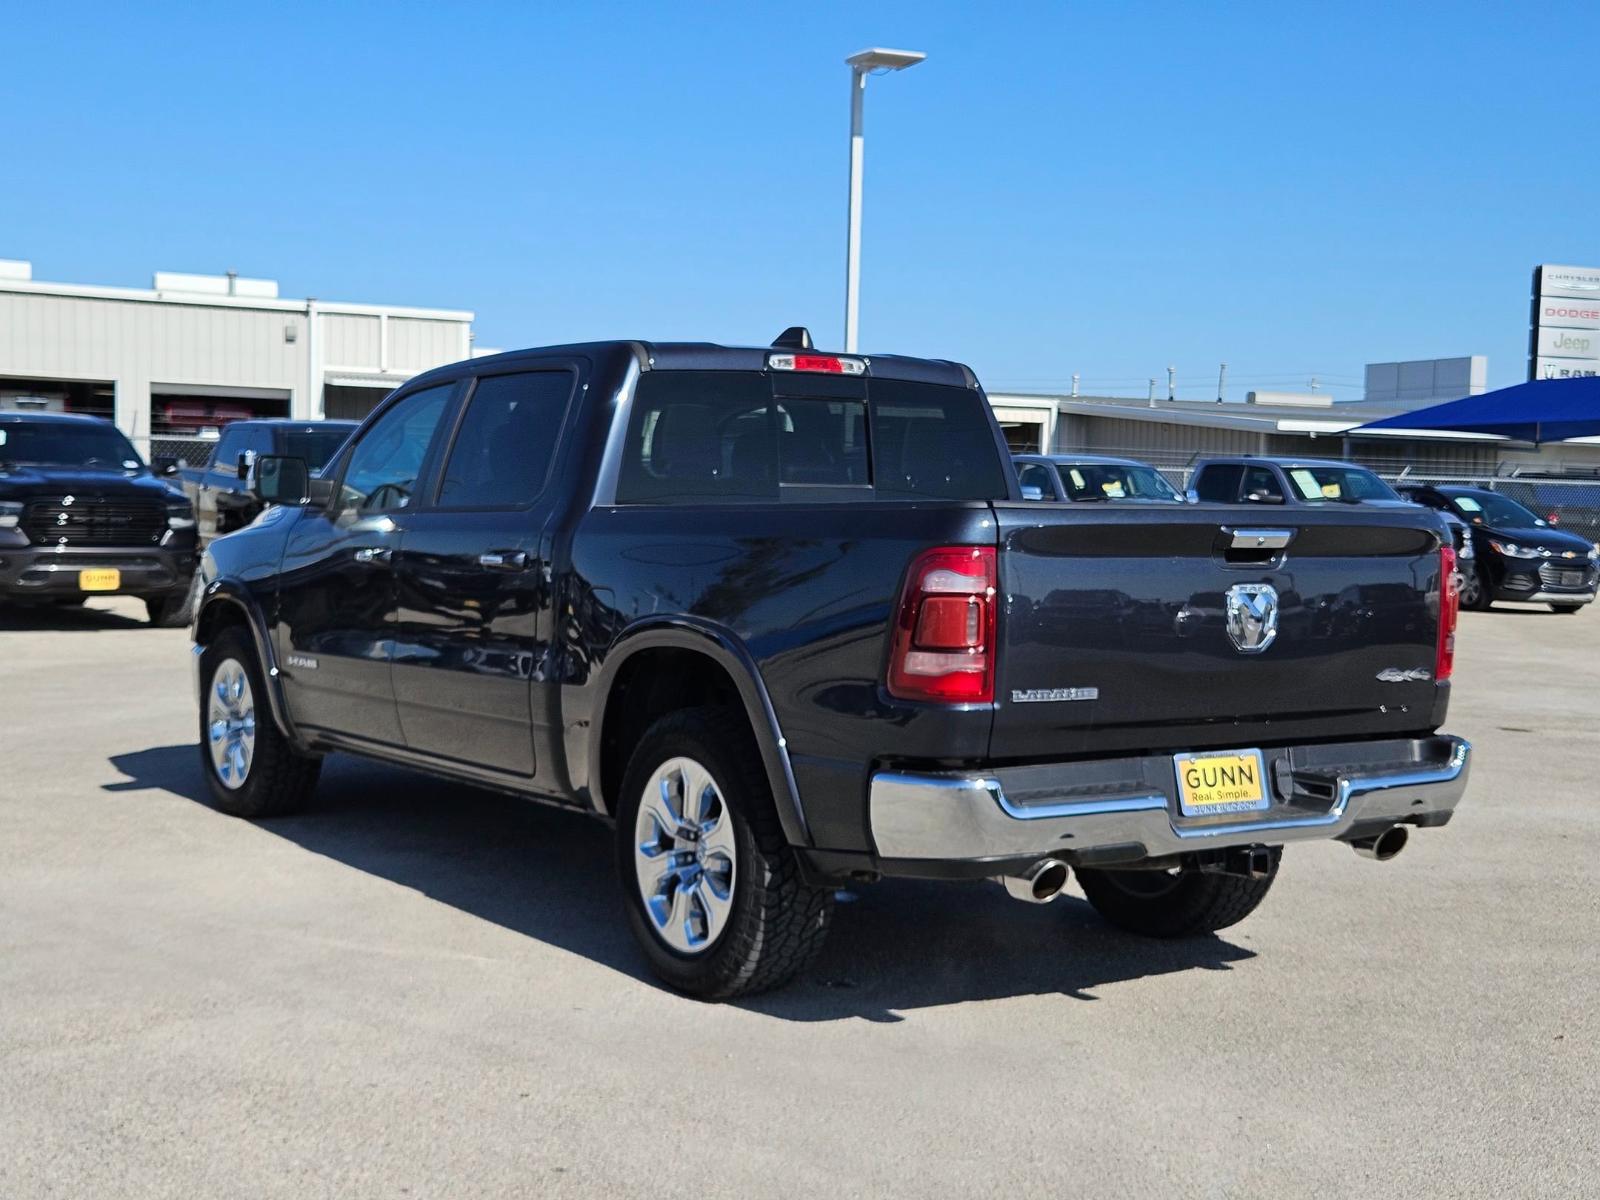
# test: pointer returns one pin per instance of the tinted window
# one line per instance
(1033, 475)
(314, 447)
(385, 463)
(709, 436)
(1219, 484)
(229, 447)
(67, 443)
(1489, 508)
(1113, 481)
(1261, 485)
(1338, 483)
(502, 454)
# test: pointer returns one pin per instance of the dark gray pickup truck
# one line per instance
(219, 489)
(785, 619)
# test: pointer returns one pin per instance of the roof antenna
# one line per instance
(796, 337)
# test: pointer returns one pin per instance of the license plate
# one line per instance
(99, 579)
(1220, 782)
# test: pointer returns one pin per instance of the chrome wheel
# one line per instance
(231, 723)
(684, 856)
(1471, 588)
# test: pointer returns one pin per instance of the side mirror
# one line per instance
(1260, 496)
(1031, 491)
(281, 480)
(164, 464)
(242, 467)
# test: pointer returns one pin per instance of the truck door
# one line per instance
(474, 622)
(336, 586)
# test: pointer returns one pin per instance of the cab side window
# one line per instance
(385, 463)
(1033, 475)
(502, 455)
(1219, 484)
(229, 447)
(1261, 486)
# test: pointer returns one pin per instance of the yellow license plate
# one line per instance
(99, 579)
(1231, 781)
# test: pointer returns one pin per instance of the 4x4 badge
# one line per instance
(1252, 616)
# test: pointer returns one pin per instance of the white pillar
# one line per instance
(852, 264)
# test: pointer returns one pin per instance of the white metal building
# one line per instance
(195, 351)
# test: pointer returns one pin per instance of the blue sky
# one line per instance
(1097, 188)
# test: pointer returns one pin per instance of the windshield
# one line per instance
(1338, 483)
(67, 444)
(1491, 509)
(1113, 481)
(314, 449)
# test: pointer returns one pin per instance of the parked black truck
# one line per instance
(81, 515)
(219, 489)
(785, 619)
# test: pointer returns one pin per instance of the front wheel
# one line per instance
(712, 889)
(1566, 608)
(250, 767)
(1174, 904)
(1474, 589)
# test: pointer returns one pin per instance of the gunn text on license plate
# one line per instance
(99, 579)
(1220, 782)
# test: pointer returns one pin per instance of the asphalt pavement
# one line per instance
(418, 989)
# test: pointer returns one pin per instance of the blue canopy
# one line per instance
(1546, 410)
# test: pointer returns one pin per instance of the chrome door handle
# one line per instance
(374, 555)
(504, 560)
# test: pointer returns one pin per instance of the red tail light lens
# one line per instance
(1444, 663)
(944, 631)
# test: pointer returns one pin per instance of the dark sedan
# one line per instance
(1520, 556)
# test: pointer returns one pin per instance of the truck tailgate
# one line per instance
(1114, 626)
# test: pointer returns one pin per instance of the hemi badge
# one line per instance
(1052, 695)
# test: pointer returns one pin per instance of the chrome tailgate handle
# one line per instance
(504, 560)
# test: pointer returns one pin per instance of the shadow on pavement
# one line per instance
(896, 946)
(46, 618)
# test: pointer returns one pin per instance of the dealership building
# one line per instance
(193, 352)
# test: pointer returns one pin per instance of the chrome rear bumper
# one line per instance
(1325, 792)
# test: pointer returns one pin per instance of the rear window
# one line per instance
(1317, 483)
(698, 437)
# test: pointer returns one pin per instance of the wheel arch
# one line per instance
(225, 605)
(716, 661)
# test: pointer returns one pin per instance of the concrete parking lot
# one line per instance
(420, 989)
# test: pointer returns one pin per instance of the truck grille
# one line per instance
(86, 521)
(1552, 576)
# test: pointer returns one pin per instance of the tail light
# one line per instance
(944, 631)
(1444, 663)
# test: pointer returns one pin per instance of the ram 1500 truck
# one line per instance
(784, 618)
(219, 489)
(81, 515)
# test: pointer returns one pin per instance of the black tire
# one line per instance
(1566, 608)
(176, 609)
(280, 779)
(1475, 589)
(1162, 905)
(776, 924)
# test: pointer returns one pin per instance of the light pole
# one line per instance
(861, 65)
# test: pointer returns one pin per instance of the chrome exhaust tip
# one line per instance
(1039, 884)
(1384, 846)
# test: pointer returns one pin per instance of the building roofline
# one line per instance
(81, 291)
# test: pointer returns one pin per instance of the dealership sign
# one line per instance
(1564, 342)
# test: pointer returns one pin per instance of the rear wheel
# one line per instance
(1474, 589)
(1566, 608)
(712, 889)
(249, 765)
(1173, 904)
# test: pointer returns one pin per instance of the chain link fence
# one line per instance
(1567, 501)
(189, 450)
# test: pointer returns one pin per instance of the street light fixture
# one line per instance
(861, 65)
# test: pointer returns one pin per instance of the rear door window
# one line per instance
(507, 440)
(740, 436)
(1261, 486)
(1219, 484)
